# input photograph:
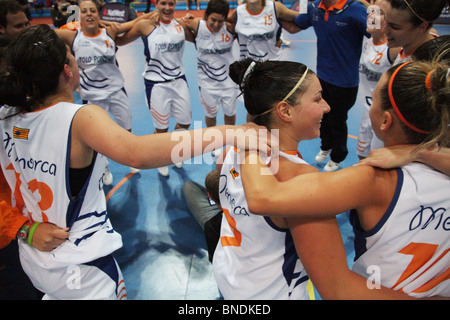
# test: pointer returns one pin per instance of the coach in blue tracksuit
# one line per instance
(340, 26)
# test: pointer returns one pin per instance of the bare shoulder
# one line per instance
(287, 169)
(145, 26)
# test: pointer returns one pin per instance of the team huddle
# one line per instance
(269, 235)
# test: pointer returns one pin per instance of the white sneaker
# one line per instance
(285, 43)
(179, 164)
(331, 166)
(322, 155)
(164, 171)
(134, 170)
(107, 176)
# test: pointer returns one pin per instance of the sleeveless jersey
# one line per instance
(254, 259)
(373, 63)
(99, 71)
(403, 58)
(409, 247)
(163, 49)
(258, 33)
(214, 56)
(35, 159)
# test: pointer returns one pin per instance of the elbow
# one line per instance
(135, 161)
(258, 203)
(293, 29)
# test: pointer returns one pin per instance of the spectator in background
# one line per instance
(340, 26)
(13, 19)
(26, 8)
(59, 13)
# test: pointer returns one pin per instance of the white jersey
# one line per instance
(214, 56)
(254, 259)
(409, 247)
(99, 71)
(35, 159)
(402, 58)
(163, 49)
(258, 33)
(374, 62)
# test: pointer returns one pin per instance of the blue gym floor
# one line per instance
(164, 253)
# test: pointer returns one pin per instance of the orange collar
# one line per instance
(294, 153)
(338, 6)
(403, 55)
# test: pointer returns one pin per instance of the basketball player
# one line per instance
(53, 158)
(258, 28)
(214, 43)
(376, 58)
(166, 87)
(255, 257)
(409, 24)
(399, 215)
(101, 81)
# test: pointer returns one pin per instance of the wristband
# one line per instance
(31, 232)
(23, 231)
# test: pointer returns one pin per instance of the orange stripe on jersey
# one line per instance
(422, 253)
(441, 278)
(231, 241)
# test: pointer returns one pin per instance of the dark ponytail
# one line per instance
(34, 60)
(265, 83)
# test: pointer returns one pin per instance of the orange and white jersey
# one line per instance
(99, 71)
(374, 62)
(402, 58)
(258, 33)
(254, 259)
(35, 159)
(214, 56)
(163, 49)
(408, 249)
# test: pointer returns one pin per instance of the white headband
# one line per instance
(247, 72)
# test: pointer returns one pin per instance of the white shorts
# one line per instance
(213, 98)
(118, 106)
(169, 99)
(367, 140)
(98, 280)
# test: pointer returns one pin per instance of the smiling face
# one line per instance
(166, 9)
(89, 16)
(399, 30)
(215, 22)
(308, 113)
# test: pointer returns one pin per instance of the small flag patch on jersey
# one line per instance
(20, 133)
(234, 173)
